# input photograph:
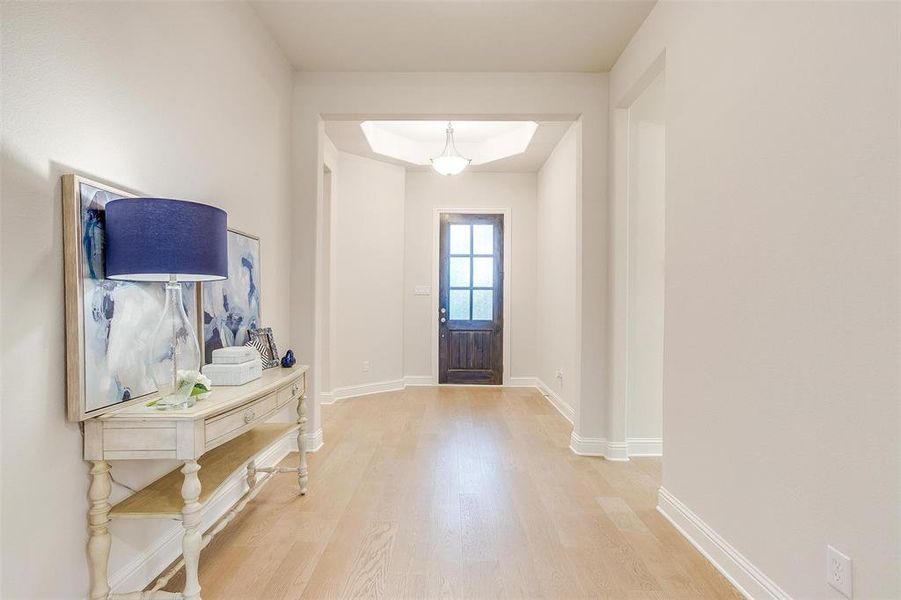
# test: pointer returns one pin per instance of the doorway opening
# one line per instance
(646, 256)
(471, 299)
(638, 232)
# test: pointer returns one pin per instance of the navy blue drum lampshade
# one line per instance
(153, 239)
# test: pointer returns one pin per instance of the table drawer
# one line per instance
(230, 424)
(290, 392)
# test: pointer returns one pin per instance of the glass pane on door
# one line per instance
(459, 271)
(483, 239)
(482, 301)
(459, 239)
(459, 305)
(482, 271)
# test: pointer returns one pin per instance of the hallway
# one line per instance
(456, 493)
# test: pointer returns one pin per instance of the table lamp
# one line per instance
(171, 241)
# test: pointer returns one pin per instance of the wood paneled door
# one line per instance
(471, 299)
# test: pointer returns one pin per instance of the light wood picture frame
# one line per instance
(108, 323)
(231, 308)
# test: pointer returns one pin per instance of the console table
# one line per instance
(214, 438)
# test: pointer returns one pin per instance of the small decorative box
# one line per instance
(234, 355)
(234, 374)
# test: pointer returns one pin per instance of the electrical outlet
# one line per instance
(365, 366)
(838, 571)
(559, 374)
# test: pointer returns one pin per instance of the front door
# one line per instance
(471, 299)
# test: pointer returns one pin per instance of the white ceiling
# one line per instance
(453, 35)
(348, 137)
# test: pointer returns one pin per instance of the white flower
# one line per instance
(205, 382)
(194, 378)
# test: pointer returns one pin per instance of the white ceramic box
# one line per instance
(234, 355)
(234, 374)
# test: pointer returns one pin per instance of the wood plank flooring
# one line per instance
(456, 492)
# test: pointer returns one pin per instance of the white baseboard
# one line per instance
(417, 380)
(583, 446)
(556, 401)
(326, 398)
(586, 446)
(618, 451)
(314, 440)
(366, 389)
(148, 565)
(645, 446)
(523, 382)
(748, 579)
(589, 446)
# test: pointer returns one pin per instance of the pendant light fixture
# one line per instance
(450, 161)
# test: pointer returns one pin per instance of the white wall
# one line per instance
(781, 353)
(428, 191)
(177, 99)
(368, 243)
(324, 292)
(557, 290)
(326, 322)
(647, 196)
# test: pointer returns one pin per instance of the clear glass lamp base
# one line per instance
(174, 354)
(175, 402)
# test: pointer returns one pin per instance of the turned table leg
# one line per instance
(251, 475)
(192, 540)
(302, 444)
(98, 524)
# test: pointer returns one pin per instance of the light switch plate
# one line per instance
(422, 290)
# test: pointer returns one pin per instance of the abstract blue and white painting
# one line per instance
(118, 316)
(231, 308)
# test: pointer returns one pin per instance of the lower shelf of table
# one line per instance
(162, 498)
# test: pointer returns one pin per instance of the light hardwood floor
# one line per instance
(456, 492)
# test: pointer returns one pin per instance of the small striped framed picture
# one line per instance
(263, 340)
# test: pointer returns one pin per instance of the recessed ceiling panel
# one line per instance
(416, 142)
(348, 136)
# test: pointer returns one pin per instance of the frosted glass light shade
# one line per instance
(450, 165)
